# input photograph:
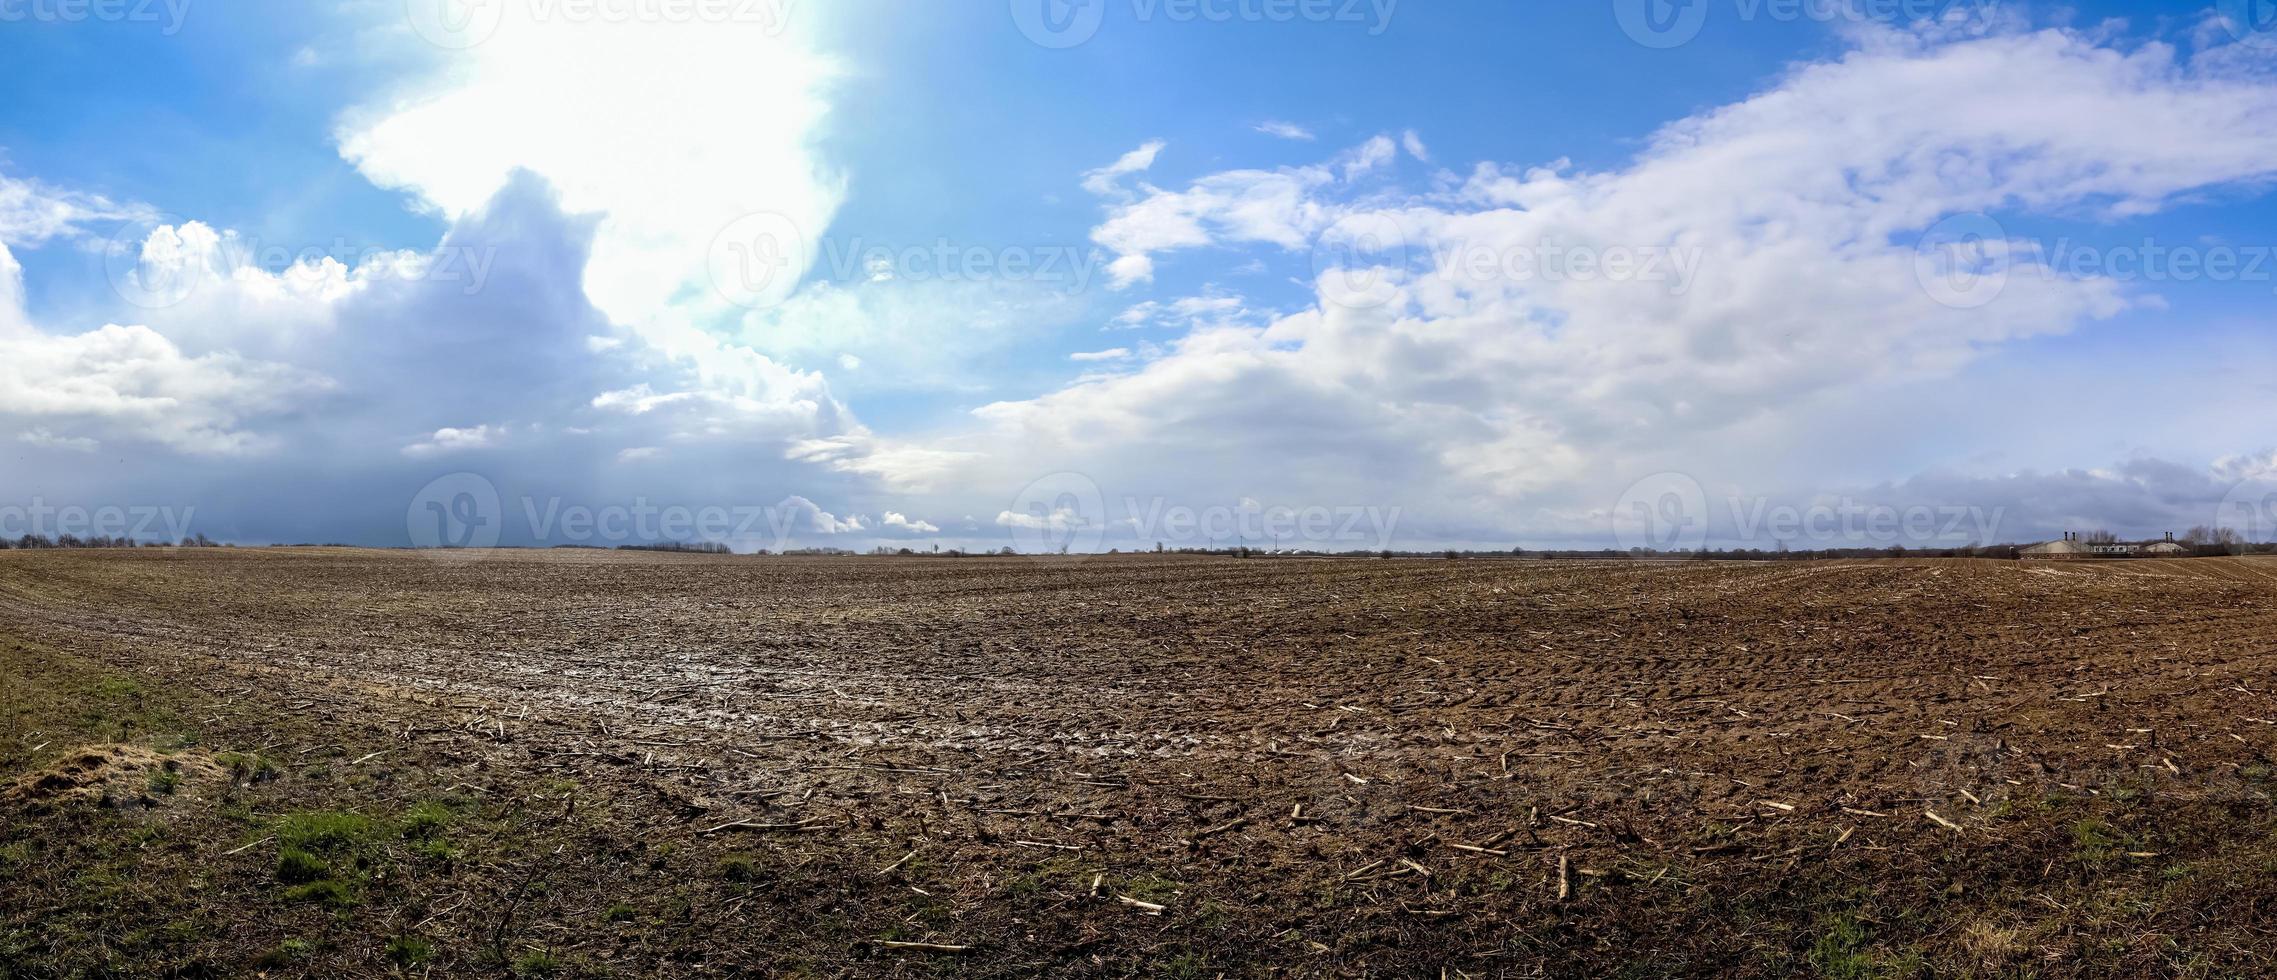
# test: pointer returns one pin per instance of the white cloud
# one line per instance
(899, 466)
(1369, 157)
(447, 440)
(32, 213)
(911, 334)
(818, 520)
(1208, 310)
(208, 289)
(895, 520)
(43, 439)
(1285, 130)
(1414, 145)
(639, 399)
(668, 130)
(1281, 207)
(121, 382)
(1788, 284)
(1111, 354)
(131, 383)
(1106, 181)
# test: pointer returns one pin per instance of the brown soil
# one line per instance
(1148, 765)
(124, 776)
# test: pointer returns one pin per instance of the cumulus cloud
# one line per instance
(818, 520)
(1500, 360)
(1285, 130)
(1190, 311)
(1283, 207)
(1107, 181)
(447, 440)
(1414, 146)
(130, 383)
(895, 520)
(664, 176)
(43, 439)
(33, 213)
(1469, 353)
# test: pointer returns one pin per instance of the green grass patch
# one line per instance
(326, 831)
(166, 780)
(426, 820)
(299, 867)
(537, 963)
(409, 951)
(287, 953)
(328, 893)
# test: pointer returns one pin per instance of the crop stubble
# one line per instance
(1259, 731)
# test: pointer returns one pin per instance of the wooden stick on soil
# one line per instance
(1234, 824)
(1147, 907)
(923, 947)
(748, 825)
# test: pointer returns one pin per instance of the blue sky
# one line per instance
(1115, 277)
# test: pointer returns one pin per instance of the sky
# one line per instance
(1080, 275)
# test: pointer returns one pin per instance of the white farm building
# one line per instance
(2073, 548)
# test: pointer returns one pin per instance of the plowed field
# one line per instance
(1141, 766)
